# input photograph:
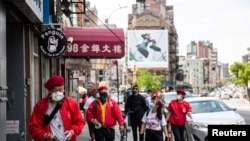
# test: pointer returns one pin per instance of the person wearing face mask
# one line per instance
(176, 116)
(82, 100)
(136, 107)
(104, 113)
(148, 99)
(66, 124)
(154, 122)
(93, 97)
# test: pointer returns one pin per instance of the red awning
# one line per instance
(95, 42)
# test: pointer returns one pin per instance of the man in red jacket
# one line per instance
(66, 124)
(104, 113)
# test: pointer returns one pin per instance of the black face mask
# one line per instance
(133, 92)
(103, 97)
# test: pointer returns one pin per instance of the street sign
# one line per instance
(101, 76)
(88, 86)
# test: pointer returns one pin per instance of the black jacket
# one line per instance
(136, 106)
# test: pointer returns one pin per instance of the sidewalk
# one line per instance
(85, 134)
(245, 99)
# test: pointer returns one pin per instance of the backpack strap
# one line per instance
(48, 118)
(147, 112)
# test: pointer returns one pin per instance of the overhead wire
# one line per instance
(102, 23)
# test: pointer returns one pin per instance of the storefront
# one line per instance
(90, 51)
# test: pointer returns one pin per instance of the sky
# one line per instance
(225, 23)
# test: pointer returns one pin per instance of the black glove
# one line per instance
(166, 138)
(141, 137)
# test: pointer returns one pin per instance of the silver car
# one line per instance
(206, 111)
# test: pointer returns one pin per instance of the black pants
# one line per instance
(104, 134)
(153, 135)
(136, 126)
(178, 131)
(91, 130)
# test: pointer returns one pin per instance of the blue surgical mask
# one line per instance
(151, 105)
(97, 95)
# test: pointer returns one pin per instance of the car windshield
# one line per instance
(207, 106)
(168, 97)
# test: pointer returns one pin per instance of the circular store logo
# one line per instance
(53, 43)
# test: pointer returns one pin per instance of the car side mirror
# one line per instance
(234, 109)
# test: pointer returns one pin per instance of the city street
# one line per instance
(242, 106)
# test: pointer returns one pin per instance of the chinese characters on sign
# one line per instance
(95, 42)
(95, 49)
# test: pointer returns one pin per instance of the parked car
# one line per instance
(206, 111)
(143, 94)
(236, 95)
(168, 96)
(115, 97)
(224, 95)
(212, 93)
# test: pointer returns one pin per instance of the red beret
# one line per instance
(92, 91)
(102, 88)
(54, 81)
(182, 92)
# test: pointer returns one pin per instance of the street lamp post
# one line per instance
(248, 59)
(121, 7)
(134, 70)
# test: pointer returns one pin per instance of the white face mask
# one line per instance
(57, 96)
(179, 97)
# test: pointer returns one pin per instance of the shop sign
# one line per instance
(95, 49)
(52, 43)
(95, 42)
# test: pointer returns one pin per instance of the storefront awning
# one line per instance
(95, 42)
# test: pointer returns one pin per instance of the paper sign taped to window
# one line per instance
(12, 126)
